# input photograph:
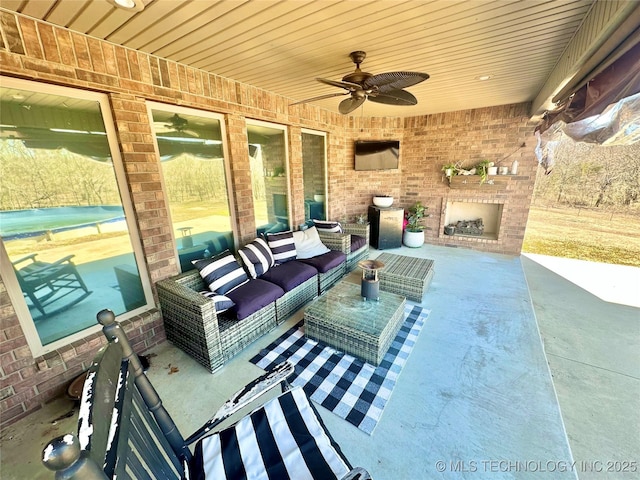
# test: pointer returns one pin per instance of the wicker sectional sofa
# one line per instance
(212, 338)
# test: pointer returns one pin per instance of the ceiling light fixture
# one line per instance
(131, 5)
(482, 78)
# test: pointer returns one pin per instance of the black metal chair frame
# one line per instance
(124, 431)
(46, 284)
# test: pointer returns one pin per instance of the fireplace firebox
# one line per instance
(469, 218)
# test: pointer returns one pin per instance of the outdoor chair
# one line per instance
(50, 284)
(124, 431)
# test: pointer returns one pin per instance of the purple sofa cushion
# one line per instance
(289, 275)
(325, 262)
(357, 242)
(252, 296)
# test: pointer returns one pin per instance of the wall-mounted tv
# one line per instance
(377, 154)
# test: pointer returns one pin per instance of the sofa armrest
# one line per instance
(357, 229)
(180, 294)
(190, 319)
(336, 241)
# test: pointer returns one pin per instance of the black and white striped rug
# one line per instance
(350, 388)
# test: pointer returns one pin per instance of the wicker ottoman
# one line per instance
(408, 276)
(342, 319)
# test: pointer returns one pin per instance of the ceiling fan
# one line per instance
(175, 124)
(381, 88)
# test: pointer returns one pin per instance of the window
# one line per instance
(195, 180)
(63, 222)
(268, 157)
(314, 155)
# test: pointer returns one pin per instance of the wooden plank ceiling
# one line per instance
(282, 46)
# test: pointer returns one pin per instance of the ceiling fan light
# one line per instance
(131, 5)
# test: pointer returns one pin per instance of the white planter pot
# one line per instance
(413, 239)
(492, 170)
(383, 202)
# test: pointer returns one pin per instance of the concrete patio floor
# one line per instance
(518, 373)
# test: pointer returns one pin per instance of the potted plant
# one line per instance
(413, 235)
(361, 219)
(482, 169)
(450, 169)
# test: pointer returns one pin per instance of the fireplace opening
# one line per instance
(473, 219)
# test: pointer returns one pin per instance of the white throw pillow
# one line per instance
(308, 243)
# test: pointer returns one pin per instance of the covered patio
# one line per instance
(511, 377)
(517, 362)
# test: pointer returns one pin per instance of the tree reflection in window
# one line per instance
(193, 167)
(314, 175)
(268, 157)
(62, 220)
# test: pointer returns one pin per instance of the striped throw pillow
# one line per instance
(221, 273)
(257, 257)
(221, 302)
(282, 246)
(326, 226)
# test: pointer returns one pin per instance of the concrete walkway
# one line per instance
(476, 398)
(589, 319)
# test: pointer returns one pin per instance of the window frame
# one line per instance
(151, 105)
(285, 131)
(319, 133)
(6, 270)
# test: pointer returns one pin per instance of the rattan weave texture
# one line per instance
(191, 322)
(329, 279)
(342, 242)
(343, 320)
(296, 298)
(408, 276)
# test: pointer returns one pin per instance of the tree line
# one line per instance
(590, 175)
(40, 178)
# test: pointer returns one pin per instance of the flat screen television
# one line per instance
(377, 154)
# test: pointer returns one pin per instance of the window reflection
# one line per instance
(313, 173)
(268, 157)
(62, 220)
(193, 167)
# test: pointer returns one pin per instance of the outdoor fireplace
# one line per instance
(469, 218)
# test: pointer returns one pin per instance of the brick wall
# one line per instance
(496, 134)
(45, 53)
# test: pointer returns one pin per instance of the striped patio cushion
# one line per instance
(222, 303)
(221, 273)
(327, 226)
(282, 439)
(257, 257)
(282, 246)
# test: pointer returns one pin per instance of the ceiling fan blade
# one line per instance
(321, 97)
(394, 97)
(389, 81)
(350, 104)
(346, 85)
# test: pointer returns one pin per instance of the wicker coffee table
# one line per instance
(342, 319)
(408, 276)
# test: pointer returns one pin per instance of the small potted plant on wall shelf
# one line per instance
(482, 169)
(450, 169)
(413, 235)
